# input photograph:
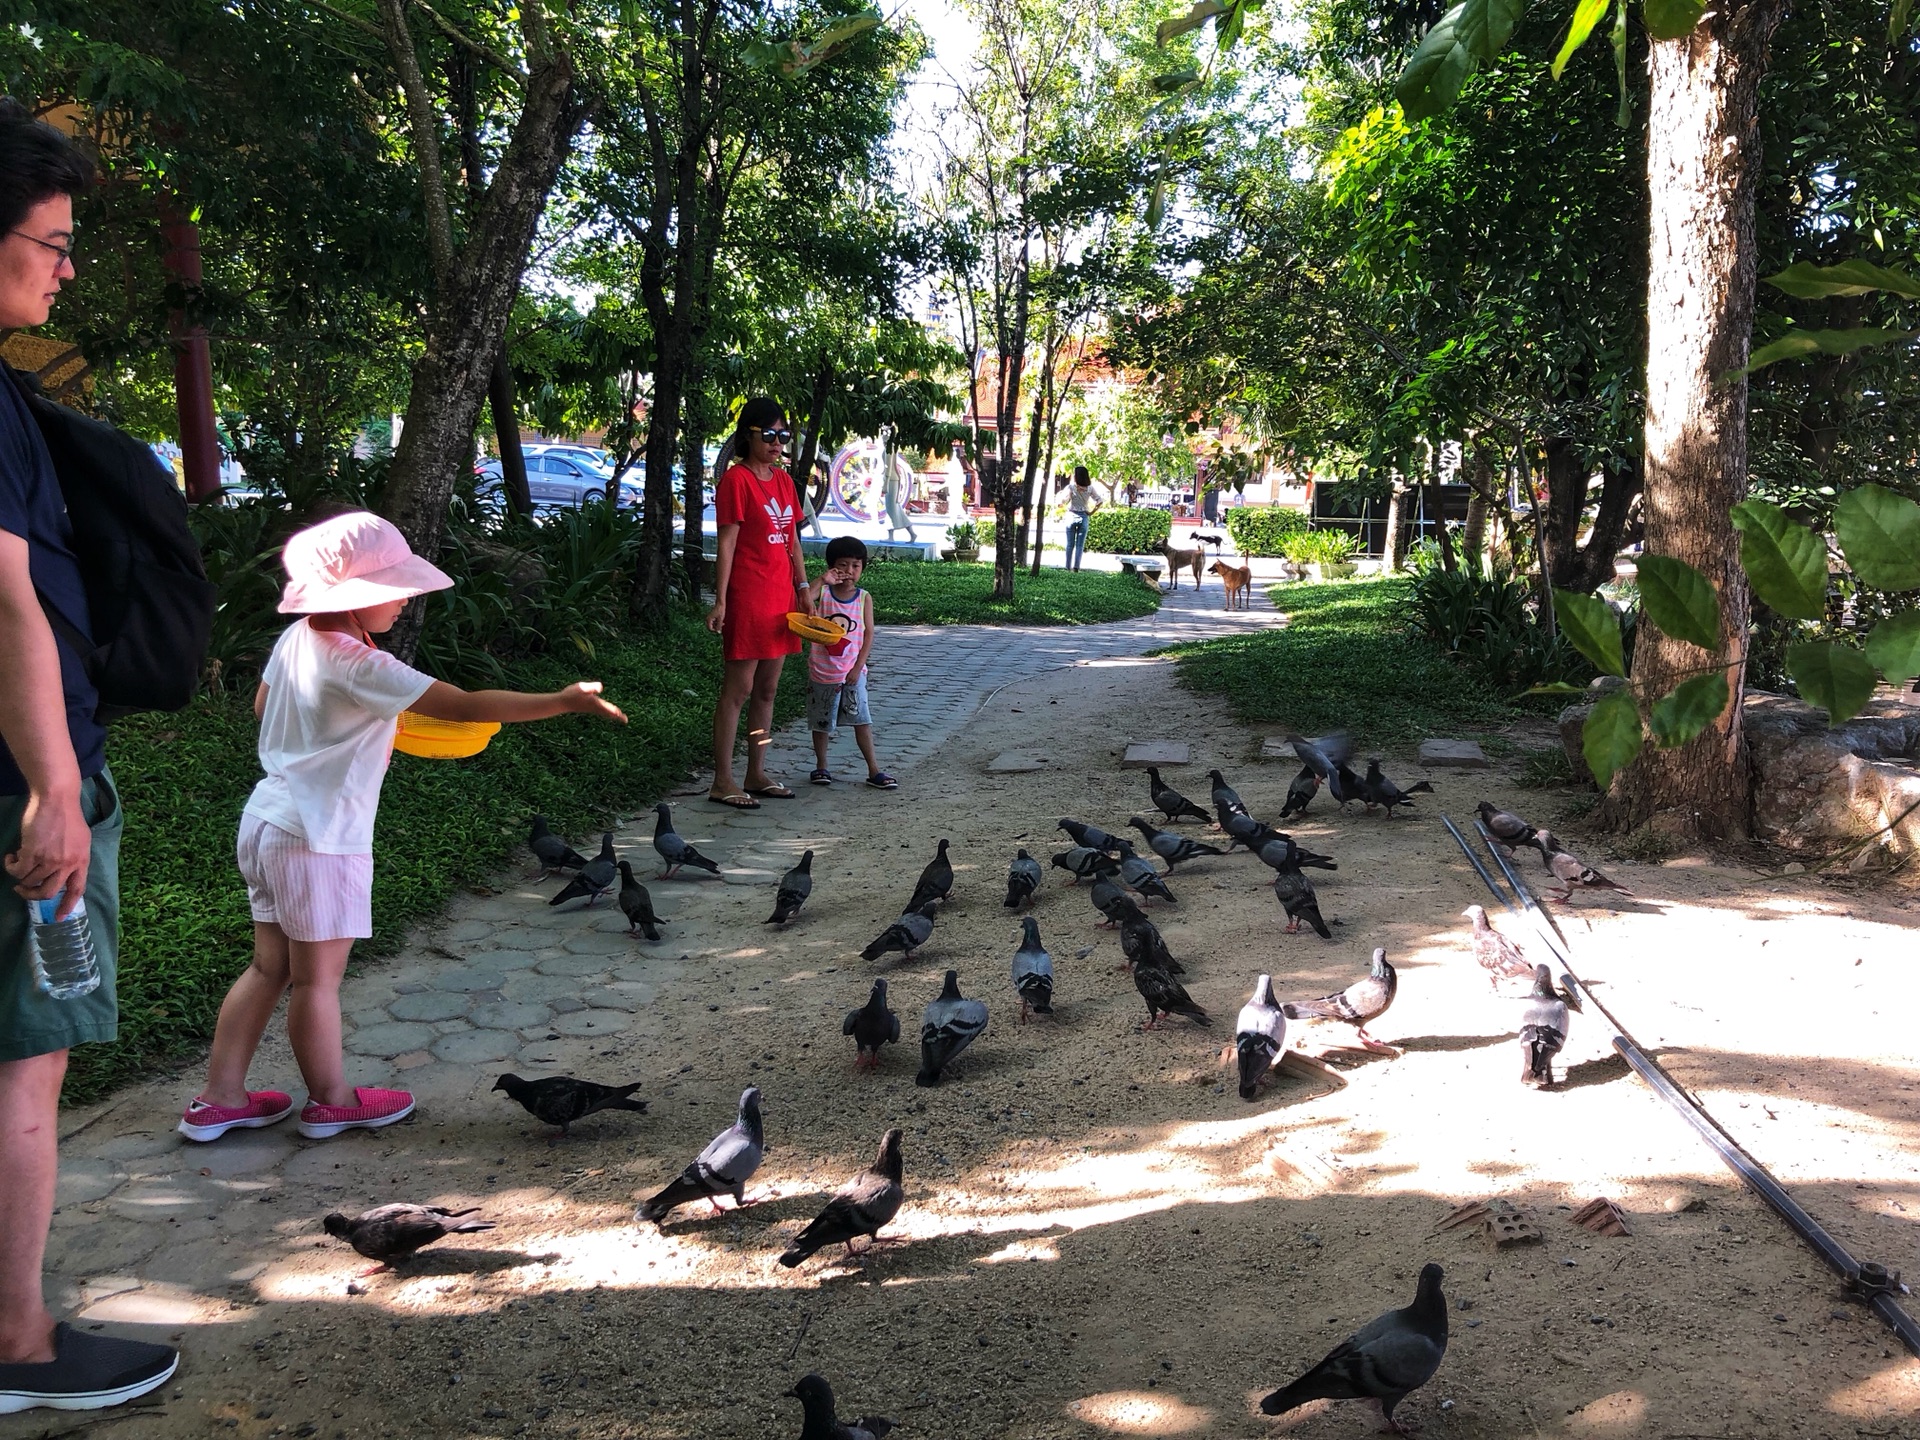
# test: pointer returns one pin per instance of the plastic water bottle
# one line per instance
(63, 960)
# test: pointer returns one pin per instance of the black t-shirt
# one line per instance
(31, 507)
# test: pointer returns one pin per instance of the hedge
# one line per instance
(1263, 529)
(1128, 532)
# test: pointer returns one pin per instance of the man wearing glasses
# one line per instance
(59, 815)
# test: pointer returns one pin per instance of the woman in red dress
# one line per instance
(761, 577)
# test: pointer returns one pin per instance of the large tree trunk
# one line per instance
(1703, 167)
(1395, 551)
(1570, 565)
(506, 437)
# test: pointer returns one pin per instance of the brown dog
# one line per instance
(1178, 560)
(1237, 580)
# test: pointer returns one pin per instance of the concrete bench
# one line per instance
(1148, 567)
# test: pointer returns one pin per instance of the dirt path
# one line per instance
(1102, 1238)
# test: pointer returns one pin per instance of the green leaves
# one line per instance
(1590, 624)
(1670, 19)
(1469, 35)
(1798, 344)
(1894, 646)
(1808, 281)
(1176, 80)
(1586, 15)
(1690, 708)
(1680, 600)
(1611, 737)
(796, 57)
(1203, 11)
(1833, 677)
(1880, 533)
(1785, 563)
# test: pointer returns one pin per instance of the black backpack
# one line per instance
(148, 595)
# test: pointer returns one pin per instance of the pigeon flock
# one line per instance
(1382, 1362)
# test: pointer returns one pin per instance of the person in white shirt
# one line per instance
(1081, 503)
(328, 704)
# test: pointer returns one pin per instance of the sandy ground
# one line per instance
(1102, 1238)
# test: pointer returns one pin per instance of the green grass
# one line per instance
(1344, 662)
(943, 593)
(444, 825)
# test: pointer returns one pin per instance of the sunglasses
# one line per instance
(774, 437)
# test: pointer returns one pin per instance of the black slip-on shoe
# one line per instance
(88, 1372)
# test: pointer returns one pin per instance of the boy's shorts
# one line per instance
(308, 895)
(830, 706)
(31, 1021)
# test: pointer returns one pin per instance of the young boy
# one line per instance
(837, 674)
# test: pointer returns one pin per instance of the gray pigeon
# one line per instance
(637, 905)
(1278, 851)
(1260, 1036)
(1032, 971)
(1165, 996)
(936, 880)
(907, 934)
(1142, 944)
(723, 1168)
(1497, 955)
(561, 1099)
(1298, 898)
(1170, 802)
(1226, 800)
(821, 1423)
(392, 1233)
(1505, 826)
(1242, 829)
(1323, 756)
(675, 852)
(1543, 1030)
(1091, 836)
(1170, 847)
(1359, 1005)
(1112, 901)
(596, 877)
(1572, 874)
(1023, 880)
(871, 1026)
(1138, 874)
(795, 886)
(1081, 862)
(1384, 1361)
(947, 1026)
(1300, 793)
(862, 1206)
(1377, 789)
(553, 853)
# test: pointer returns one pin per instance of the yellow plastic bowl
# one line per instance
(812, 627)
(432, 739)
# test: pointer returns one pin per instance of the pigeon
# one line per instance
(1384, 1361)
(1170, 847)
(1138, 874)
(820, 1422)
(1260, 1035)
(947, 1026)
(1226, 800)
(1571, 873)
(551, 851)
(1497, 954)
(1113, 902)
(1506, 827)
(596, 877)
(1091, 836)
(1080, 862)
(392, 1233)
(907, 934)
(1543, 1030)
(723, 1168)
(936, 880)
(1300, 793)
(1023, 880)
(1165, 996)
(1281, 853)
(1142, 944)
(561, 1099)
(1324, 756)
(1242, 829)
(675, 852)
(1297, 898)
(1032, 972)
(871, 1026)
(1377, 789)
(1359, 1005)
(795, 886)
(637, 905)
(860, 1207)
(1171, 803)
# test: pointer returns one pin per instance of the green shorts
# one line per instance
(32, 1023)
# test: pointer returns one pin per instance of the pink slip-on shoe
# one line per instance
(209, 1122)
(376, 1108)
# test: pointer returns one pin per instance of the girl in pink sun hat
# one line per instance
(327, 704)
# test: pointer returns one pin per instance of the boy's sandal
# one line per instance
(735, 801)
(883, 781)
(821, 777)
(775, 791)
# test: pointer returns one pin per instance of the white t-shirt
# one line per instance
(326, 736)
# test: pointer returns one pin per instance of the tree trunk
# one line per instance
(810, 426)
(1478, 475)
(1703, 167)
(1396, 546)
(1031, 472)
(1571, 566)
(506, 437)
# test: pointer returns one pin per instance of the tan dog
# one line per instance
(1237, 580)
(1178, 560)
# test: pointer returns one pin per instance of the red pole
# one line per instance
(192, 363)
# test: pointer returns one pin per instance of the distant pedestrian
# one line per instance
(1081, 503)
(837, 673)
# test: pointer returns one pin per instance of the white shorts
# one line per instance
(308, 895)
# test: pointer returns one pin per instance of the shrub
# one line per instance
(1127, 531)
(1487, 622)
(988, 531)
(1261, 529)
(1320, 547)
(964, 535)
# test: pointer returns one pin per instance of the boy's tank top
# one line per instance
(822, 665)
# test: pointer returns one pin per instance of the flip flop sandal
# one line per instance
(775, 791)
(883, 781)
(734, 802)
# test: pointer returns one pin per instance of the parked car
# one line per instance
(560, 480)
